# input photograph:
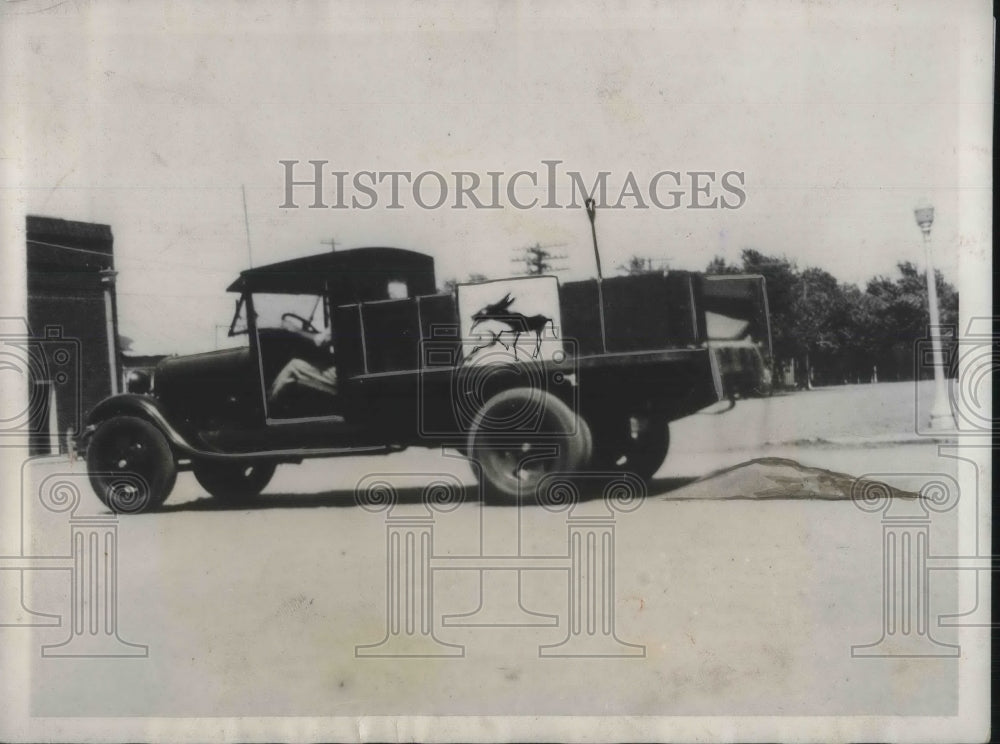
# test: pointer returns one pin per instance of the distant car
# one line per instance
(523, 376)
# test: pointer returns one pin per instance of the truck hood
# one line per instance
(180, 372)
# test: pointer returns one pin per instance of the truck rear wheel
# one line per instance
(633, 444)
(513, 462)
(130, 465)
(233, 481)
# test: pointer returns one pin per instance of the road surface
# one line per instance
(739, 604)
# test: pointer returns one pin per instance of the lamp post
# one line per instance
(941, 416)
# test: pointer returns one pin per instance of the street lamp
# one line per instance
(941, 416)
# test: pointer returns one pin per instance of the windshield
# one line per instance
(280, 311)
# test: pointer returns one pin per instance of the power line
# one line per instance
(538, 259)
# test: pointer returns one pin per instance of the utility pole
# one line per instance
(333, 243)
(537, 259)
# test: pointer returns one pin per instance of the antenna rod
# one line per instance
(592, 213)
(246, 222)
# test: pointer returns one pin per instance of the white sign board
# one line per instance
(510, 320)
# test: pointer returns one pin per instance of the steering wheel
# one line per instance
(306, 324)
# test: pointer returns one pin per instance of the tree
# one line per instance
(718, 265)
(815, 330)
(901, 318)
(448, 286)
(638, 265)
(839, 332)
(781, 277)
(861, 342)
(784, 286)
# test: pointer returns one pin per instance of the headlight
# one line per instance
(138, 382)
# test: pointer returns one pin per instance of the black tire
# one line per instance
(508, 471)
(632, 444)
(130, 465)
(233, 481)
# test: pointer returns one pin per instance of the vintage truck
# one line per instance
(523, 376)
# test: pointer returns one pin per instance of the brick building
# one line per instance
(72, 316)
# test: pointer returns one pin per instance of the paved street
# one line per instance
(743, 604)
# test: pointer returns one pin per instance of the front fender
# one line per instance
(141, 406)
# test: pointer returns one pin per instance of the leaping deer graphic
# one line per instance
(517, 323)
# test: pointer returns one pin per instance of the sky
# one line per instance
(154, 118)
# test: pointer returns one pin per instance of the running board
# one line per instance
(297, 454)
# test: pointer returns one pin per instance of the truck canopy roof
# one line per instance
(355, 275)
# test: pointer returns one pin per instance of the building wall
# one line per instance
(71, 306)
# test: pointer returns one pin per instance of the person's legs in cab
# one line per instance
(301, 372)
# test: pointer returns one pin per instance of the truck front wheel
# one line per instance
(130, 465)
